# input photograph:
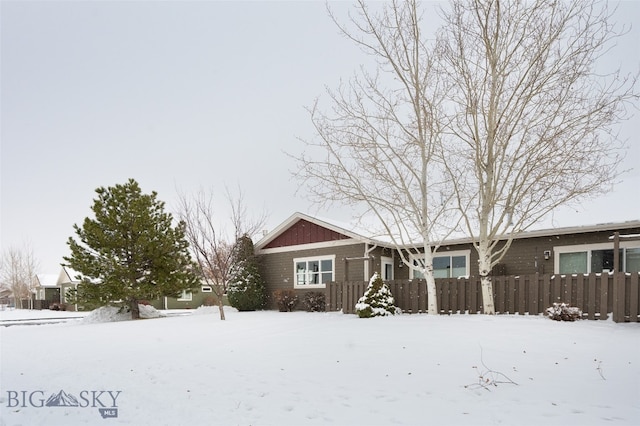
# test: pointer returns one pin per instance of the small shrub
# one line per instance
(564, 312)
(377, 299)
(314, 301)
(54, 307)
(286, 299)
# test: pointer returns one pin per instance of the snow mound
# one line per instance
(112, 314)
(107, 314)
(208, 310)
(148, 311)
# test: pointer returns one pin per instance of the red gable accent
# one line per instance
(305, 232)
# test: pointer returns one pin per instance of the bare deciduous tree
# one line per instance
(375, 147)
(211, 245)
(503, 116)
(532, 120)
(18, 269)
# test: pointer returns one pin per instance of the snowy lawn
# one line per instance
(271, 368)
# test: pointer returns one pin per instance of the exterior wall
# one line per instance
(278, 272)
(198, 298)
(526, 255)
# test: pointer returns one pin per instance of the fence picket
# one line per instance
(633, 298)
(522, 296)
(580, 290)
(604, 296)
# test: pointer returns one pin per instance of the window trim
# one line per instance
(331, 257)
(588, 248)
(450, 254)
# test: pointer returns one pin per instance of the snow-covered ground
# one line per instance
(271, 368)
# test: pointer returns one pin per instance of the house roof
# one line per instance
(351, 231)
(67, 275)
(581, 229)
(47, 280)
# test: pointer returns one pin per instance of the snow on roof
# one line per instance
(68, 275)
(47, 280)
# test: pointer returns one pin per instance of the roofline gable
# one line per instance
(294, 218)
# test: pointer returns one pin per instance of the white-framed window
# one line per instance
(313, 272)
(185, 296)
(452, 264)
(386, 264)
(587, 258)
(206, 289)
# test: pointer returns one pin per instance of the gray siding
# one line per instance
(278, 273)
(526, 255)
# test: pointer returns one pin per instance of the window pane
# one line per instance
(388, 272)
(573, 263)
(326, 265)
(327, 277)
(314, 272)
(417, 271)
(441, 267)
(459, 266)
(633, 260)
(301, 273)
(603, 259)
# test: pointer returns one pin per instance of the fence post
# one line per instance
(618, 296)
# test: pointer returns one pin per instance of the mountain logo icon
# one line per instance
(62, 399)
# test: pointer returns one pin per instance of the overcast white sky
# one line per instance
(183, 95)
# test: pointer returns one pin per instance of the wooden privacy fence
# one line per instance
(597, 295)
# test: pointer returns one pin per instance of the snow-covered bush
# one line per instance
(377, 299)
(564, 312)
(314, 301)
(286, 299)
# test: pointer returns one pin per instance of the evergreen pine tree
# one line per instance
(130, 251)
(246, 289)
(377, 299)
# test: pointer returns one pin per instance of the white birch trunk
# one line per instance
(432, 300)
(486, 285)
(427, 272)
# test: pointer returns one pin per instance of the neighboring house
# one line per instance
(52, 289)
(304, 253)
(188, 299)
(68, 280)
(6, 298)
(46, 292)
